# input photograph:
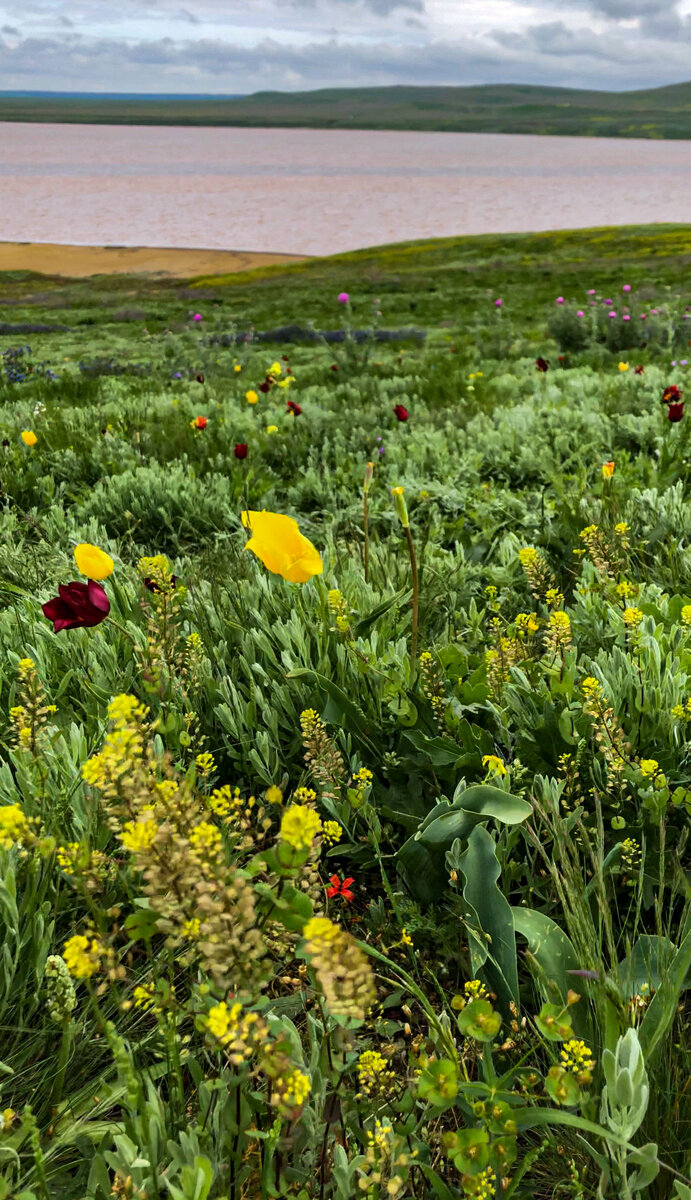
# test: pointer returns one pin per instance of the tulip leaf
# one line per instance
(662, 1008)
(551, 949)
(481, 871)
(441, 752)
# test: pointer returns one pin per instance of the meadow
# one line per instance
(345, 709)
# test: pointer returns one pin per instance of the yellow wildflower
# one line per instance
(332, 832)
(29, 437)
(576, 1058)
(14, 826)
(205, 763)
(92, 562)
(686, 614)
(649, 767)
(237, 367)
(251, 397)
(623, 366)
(299, 826)
(274, 795)
(7, 1116)
(82, 956)
(278, 544)
(493, 765)
(138, 836)
(632, 616)
(272, 429)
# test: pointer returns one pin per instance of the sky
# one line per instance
(243, 46)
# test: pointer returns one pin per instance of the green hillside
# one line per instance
(506, 108)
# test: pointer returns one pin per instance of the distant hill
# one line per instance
(663, 112)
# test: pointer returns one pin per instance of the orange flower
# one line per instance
(607, 470)
(199, 423)
(277, 542)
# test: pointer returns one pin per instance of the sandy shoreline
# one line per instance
(77, 262)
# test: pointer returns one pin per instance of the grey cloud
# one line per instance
(549, 52)
(10, 31)
(625, 9)
(188, 16)
(65, 22)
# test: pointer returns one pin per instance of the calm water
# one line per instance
(317, 192)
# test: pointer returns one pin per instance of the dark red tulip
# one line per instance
(291, 406)
(675, 411)
(241, 450)
(334, 367)
(264, 387)
(401, 412)
(542, 364)
(78, 606)
(638, 370)
(672, 394)
(200, 378)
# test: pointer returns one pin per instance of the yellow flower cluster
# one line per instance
(686, 614)
(332, 832)
(633, 617)
(83, 956)
(526, 623)
(482, 1186)
(274, 795)
(291, 1091)
(205, 763)
(342, 969)
(649, 767)
(375, 1078)
(299, 827)
(240, 1033)
(140, 835)
(14, 826)
(576, 1058)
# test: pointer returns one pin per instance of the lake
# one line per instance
(304, 191)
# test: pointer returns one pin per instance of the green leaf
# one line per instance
(440, 751)
(660, 1012)
(561, 1087)
(342, 711)
(481, 871)
(478, 1020)
(646, 963)
(365, 623)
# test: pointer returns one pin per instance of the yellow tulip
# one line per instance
(251, 397)
(29, 437)
(607, 470)
(92, 562)
(272, 429)
(277, 542)
(623, 366)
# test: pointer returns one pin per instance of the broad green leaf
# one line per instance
(660, 1012)
(481, 871)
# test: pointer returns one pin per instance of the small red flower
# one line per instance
(293, 408)
(200, 422)
(675, 410)
(340, 888)
(200, 378)
(638, 370)
(672, 395)
(542, 364)
(265, 386)
(77, 606)
(401, 412)
(241, 450)
(334, 367)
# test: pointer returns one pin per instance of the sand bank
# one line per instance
(76, 262)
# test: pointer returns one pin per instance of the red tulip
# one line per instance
(264, 387)
(294, 408)
(200, 422)
(675, 411)
(542, 364)
(638, 370)
(78, 606)
(200, 378)
(401, 412)
(241, 450)
(672, 394)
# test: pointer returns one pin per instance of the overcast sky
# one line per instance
(231, 46)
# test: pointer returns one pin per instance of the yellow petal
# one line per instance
(92, 562)
(278, 544)
(29, 437)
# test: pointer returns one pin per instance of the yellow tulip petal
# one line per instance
(92, 562)
(278, 544)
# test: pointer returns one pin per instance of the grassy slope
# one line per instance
(426, 283)
(506, 108)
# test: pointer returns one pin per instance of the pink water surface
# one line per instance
(317, 192)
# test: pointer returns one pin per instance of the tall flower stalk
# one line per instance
(402, 510)
(369, 472)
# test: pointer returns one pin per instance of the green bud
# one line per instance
(401, 509)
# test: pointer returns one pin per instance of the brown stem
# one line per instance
(416, 591)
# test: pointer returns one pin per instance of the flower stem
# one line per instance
(416, 591)
(365, 517)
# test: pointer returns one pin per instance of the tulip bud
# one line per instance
(369, 472)
(607, 470)
(401, 509)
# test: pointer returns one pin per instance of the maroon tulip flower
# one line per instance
(675, 411)
(293, 408)
(542, 364)
(264, 387)
(672, 395)
(78, 606)
(200, 378)
(638, 370)
(334, 367)
(241, 450)
(401, 412)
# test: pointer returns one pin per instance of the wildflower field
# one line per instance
(346, 727)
